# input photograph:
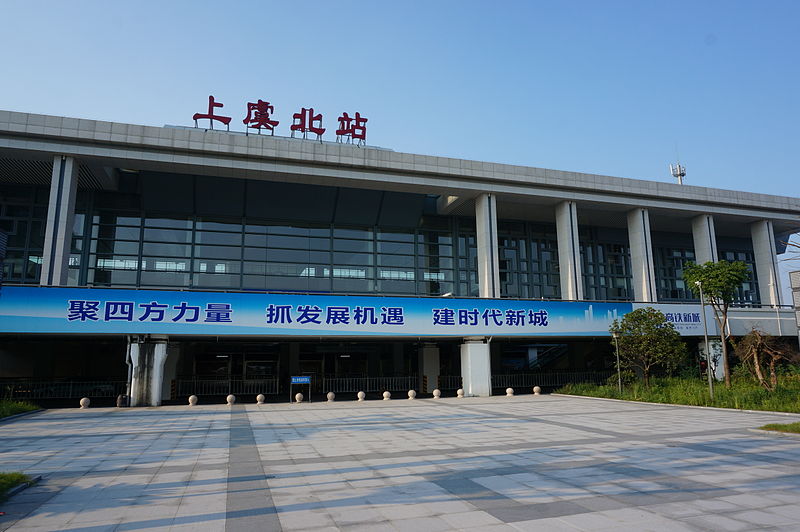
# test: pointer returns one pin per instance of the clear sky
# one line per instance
(619, 88)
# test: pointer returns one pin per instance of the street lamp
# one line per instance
(615, 334)
(699, 285)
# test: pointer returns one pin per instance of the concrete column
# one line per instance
(569, 251)
(705, 239)
(170, 371)
(476, 370)
(60, 214)
(429, 356)
(486, 241)
(764, 251)
(147, 360)
(644, 273)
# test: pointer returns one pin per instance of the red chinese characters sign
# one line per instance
(260, 116)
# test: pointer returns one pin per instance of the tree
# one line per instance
(647, 341)
(760, 353)
(719, 281)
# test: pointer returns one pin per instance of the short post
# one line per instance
(699, 285)
(615, 334)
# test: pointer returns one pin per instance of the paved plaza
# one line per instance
(545, 463)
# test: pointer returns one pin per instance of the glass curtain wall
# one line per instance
(606, 262)
(23, 217)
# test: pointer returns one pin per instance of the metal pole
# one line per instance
(705, 336)
(619, 371)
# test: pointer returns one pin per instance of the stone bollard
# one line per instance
(260, 399)
(387, 395)
(537, 390)
(509, 392)
(361, 396)
(331, 397)
(85, 402)
(412, 394)
(437, 393)
(460, 393)
(298, 397)
(231, 399)
(192, 400)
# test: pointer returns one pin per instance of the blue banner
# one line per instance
(301, 380)
(115, 311)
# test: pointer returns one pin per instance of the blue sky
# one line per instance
(620, 88)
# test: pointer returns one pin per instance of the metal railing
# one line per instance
(548, 379)
(449, 382)
(185, 387)
(369, 384)
(40, 389)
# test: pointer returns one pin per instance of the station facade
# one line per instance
(183, 260)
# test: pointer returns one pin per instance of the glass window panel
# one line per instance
(401, 275)
(167, 235)
(119, 247)
(211, 280)
(214, 237)
(216, 266)
(353, 285)
(165, 264)
(397, 286)
(171, 223)
(172, 250)
(255, 240)
(349, 272)
(441, 262)
(353, 258)
(396, 247)
(437, 275)
(217, 252)
(352, 245)
(256, 268)
(112, 277)
(319, 243)
(290, 242)
(115, 263)
(255, 254)
(401, 237)
(288, 255)
(396, 260)
(352, 233)
(254, 282)
(165, 279)
(230, 227)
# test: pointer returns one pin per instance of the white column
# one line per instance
(60, 214)
(486, 241)
(569, 251)
(644, 273)
(766, 262)
(476, 371)
(430, 367)
(147, 359)
(705, 239)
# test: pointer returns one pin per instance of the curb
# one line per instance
(23, 414)
(770, 412)
(22, 487)
(776, 433)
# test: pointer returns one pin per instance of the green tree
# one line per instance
(719, 281)
(647, 341)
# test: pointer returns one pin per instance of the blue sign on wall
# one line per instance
(115, 311)
(301, 380)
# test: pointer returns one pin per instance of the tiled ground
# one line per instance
(544, 463)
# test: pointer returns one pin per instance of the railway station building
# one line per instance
(169, 261)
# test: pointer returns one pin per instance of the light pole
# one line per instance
(615, 334)
(705, 336)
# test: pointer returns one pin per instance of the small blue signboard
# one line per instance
(301, 380)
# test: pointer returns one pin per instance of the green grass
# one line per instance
(783, 427)
(10, 408)
(682, 391)
(9, 480)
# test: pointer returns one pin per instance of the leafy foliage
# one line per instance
(10, 408)
(719, 281)
(648, 342)
(11, 480)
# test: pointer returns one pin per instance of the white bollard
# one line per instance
(192, 400)
(460, 393)
(361, 396)
(412, 394)
(85, 402)
(298, 397)
(437, 393)
(331, 397)
(386, 396)
(537, 390)
(231, 399)
(260, 398)
(509, 392)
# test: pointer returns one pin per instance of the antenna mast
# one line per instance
(678, 172)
